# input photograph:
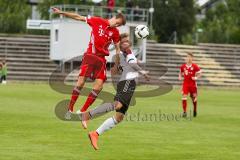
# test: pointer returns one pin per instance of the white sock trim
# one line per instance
(106, 125)
(76, 89)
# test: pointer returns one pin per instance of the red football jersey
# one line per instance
(102, 36)
(188, 73)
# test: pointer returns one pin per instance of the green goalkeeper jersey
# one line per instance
(4, 71)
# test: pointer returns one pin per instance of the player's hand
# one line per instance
(56, 10)
(180, 78)
(194, 78)
(147, 77)
(114, 70)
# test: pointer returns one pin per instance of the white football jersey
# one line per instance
(128, 72)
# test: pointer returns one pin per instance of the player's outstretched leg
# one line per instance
(101, 110)
(96, 112)
(184, 106)
(106, 125)
(98, 85)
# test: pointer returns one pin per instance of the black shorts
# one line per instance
(3, 78)
(125, 90)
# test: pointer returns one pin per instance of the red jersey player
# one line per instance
(93, 66)
(191, 72)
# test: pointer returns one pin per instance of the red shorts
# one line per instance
(192, 89)
(93, 67)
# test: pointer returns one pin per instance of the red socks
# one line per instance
(75, 94)
(91, 98)
(184, 104)
(194, 104)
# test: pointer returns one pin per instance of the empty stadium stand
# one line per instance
(28, 59)
(220, 62)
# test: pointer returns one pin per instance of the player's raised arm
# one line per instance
(69, 14)
(117, 59)
(114, 69)
(132, 61)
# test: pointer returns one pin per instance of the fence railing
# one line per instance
(132, 14)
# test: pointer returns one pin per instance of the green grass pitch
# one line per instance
(30, 130)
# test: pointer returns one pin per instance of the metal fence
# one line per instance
(132, 14)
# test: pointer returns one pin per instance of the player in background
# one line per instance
(191, 73)
(125, 91)
(4, 72)
(1, 66)
(104, 32)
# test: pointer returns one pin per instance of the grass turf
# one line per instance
(29, 128)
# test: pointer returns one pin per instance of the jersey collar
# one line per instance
(188, 66)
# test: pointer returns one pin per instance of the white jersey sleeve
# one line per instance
(128, 70)
(131, 58)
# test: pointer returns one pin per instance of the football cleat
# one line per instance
(93, 136)
(184, 115)
(78, 112)
(194, 113)
(68, 115)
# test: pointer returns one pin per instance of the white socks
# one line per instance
(106, 125)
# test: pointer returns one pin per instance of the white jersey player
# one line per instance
(125, 91)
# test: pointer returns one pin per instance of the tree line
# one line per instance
(172, 20)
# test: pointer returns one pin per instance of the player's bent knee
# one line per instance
(119, 117)
(184, 96)
(194, 99)
(99, 83)
(98, 87)
(80, 82)
(117, 105)
(194, 95)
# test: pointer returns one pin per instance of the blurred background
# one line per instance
(37, 47)
(193, 21)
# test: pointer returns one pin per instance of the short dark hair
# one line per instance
(123, 35)
(190, 54)
(121, 16)
(3, 61)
